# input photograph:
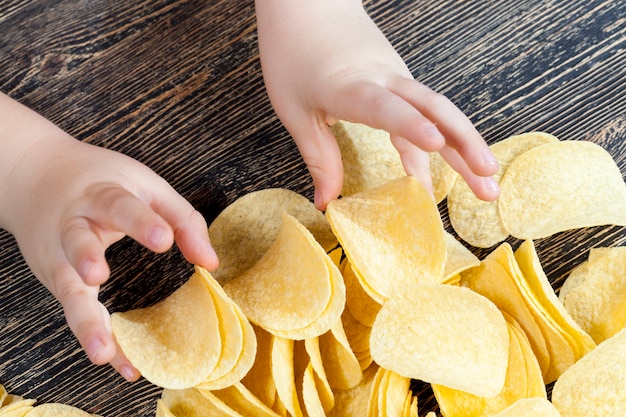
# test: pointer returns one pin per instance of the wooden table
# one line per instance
(177, 85)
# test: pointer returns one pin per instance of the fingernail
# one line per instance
(155, 236)
(488, 157)
(127, 372)
(491, 185)
(432, 131)
(93, 347)
(85, 267)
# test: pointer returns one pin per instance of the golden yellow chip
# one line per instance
(594, 293)
(16, 406)
(462, 404)
(358, 336)
(477, 221)
(323, 388)
(444, 335)
(458, 258)
(245, 230)
(354, 402)
(343, 369)
(594, 386)
(369, 158)
(362, 307)
(392, 236)
(259, 379)
(284, 375)
(163, 410)
(193, 403)
(239, 399)
(295, 290)
(395, 393)
(536, 283)
(496, 282)
(443, 176)
(311, 396)
(561, 186)
(527, 407)
(237, 336)
(57, 410)
(175, 343)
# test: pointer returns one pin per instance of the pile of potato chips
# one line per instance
(334, 314)
(12, 405)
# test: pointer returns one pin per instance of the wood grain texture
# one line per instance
(177, 85)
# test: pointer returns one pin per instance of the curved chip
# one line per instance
(238, 339)
(444, 335)
(476, 221)
(392, 235)
(594, 293)
(294, 287)
(245, 230)
(594, 386)
(561, 186)
(174, 343)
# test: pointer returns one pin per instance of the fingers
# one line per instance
(89, 321)
(460, 134)
(190, 228)
(486, 188)
(369, 103)
(321, 154)
(414, 160)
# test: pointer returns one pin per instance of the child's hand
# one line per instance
(66, 201)
(326, 60)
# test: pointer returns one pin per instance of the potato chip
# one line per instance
(239, 399)
(237, 338)
(311, 397)
(362, 307)
(476, 221)
(343, 369)
(354, 402)
(561, 186)
(525, 407)
(191, 402)
(595, 385)
(358, 336)
(392, 235)
(245, 230)
(496, 282)
(564, 341)
(3, 395)
(283, 373)
(295, 290)
(594, 293)
(57, 410)
(538, 290)
(443, 176)
(16, 406)
(395, 393)
(462, 404)
(323, 388)
(162, 410)
(259, 379)
(369, 158)
(173, 343)
(444, 335)
(458, 258)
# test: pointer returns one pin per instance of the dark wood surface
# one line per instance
(177, 85)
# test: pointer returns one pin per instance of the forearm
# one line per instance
(22, 131)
